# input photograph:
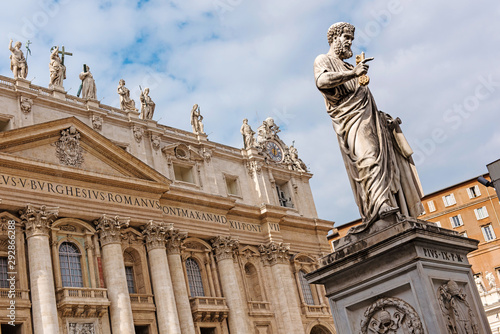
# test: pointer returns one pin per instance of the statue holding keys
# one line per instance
(376, 155)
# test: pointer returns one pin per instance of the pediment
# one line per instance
(182, 152)
(68, 146)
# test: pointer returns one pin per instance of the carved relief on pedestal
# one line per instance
(391, 316)
(155, 234)
(175, 239)
(38, 219)
(456, 311)
(97, 122)
(25, 104)
(81, 328)
(275, 252)
(225, 247)
(109, 228)
(68, 148)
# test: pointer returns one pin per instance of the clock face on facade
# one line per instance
(274, 151)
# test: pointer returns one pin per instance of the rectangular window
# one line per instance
(232, 186)
(464, 234)
(129, 274)
(449, 200)
(283, 195)
(481, 213)
(456, 221)
(438, 223)
(431, 206)
(184, 174)
(3, 273)
(473, 192)
(488, 233)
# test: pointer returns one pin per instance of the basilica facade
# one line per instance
(114, 223)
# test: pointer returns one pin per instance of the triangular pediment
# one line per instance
(70, 147)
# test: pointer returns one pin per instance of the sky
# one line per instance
(435, 67)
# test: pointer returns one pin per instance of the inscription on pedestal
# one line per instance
(438, 254)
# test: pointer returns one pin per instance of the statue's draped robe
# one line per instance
(88, 85)
(126, 103)
(379, 169)
(57, 71)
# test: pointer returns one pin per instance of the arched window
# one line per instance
(253, 283)
(71, 265)
(306, 289)
(194, 278)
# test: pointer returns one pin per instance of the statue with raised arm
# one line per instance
(147, 105)
(376, 155)
(88, 88)
(18, 64)
(196, 120)
(126, 103)
(248, 135)
(57, 69)
(491, 280)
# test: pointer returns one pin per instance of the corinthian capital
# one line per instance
(155, 234)
(224, 247)
(38, 219)
(274, 252)
(174, 241)
(109, 228)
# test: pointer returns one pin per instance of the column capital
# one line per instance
(174, 241)
(225, 247)
(155, 234)
(275, 252)
(38, 219)
(109, 228)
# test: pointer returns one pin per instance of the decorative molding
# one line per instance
(388, 315)
(97, 122)
(68, 228)
(68, 149)
(207, 155)
(155, 142)
(254, 167)
(81, 328)
(275, 252)
(456, 311)
(109, 228)
(155, 234)
(138, 133)
(174, 240)
(25, 103)
(225, 247)
(131, 237)
(38, 219)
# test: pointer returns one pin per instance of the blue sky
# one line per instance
(435, 67)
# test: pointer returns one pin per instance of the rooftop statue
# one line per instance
(87, 88)
(376, 155)
(196, 120)
(57, 68)
(147, 105)
(248, 135)
(18, 64)
(126, 103)
(268, 130)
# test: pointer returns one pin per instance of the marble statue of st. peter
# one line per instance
(376, 155)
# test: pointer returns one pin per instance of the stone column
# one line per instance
(43, 297)
(238, 319)
(276, 256)
(166, 309)
(174, 242)
(114, 273)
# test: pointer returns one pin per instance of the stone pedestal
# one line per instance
(402, 275)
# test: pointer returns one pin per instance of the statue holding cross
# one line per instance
(57, 68)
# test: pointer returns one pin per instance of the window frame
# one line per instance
(473, 193)
(489, 228)
(459, 217)
(447, 198)
(431, 206)
(196, 278)
(480, 214)
(68, 255)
